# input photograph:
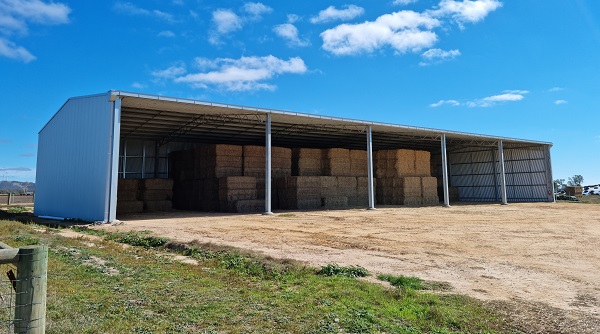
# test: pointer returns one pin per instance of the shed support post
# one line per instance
(551, 177)
(113, 169)
(502, 172)
(445, 172)
(268, 167)
(370, 168)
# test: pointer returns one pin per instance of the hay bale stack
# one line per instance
(307, 162)
(127, 196)
(347, 186)
(404, 163)
(574, 190)
(358, 163)
(156, 194)
(219, 160)
(422, 163)
(254, 161)
(329, 186)
(362, 192)
(336, 162)
(127, 190)
(299, 192)
(429, 195)
(235, 188)
(250, 205)
(336, 202)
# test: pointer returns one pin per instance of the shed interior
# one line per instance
(158, 135)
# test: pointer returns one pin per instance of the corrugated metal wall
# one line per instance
(476, 174)
(73, 163)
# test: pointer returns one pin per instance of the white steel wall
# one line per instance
(74, 160)
(475, 172)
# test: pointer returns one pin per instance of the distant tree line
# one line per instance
(575, 180)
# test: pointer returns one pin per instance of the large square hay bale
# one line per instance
(429, 186)
(124, 207)
(430, 200)
(128, 184)
(422, 163)
(158, 205)
(156, 195)
(336, 202)
(404, 163)
(157, 184)
(412, 201)
(127, 195)
(250, 205)
(237, 182)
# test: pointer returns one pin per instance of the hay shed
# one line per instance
(116, 152)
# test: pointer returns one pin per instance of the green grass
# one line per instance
(107, 288)
(336, 270)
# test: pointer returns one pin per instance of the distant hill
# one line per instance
(16, 186)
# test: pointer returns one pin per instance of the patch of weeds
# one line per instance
(26, 240)
(336, 270)
(16, 209)
(404, 282)
(138, 239)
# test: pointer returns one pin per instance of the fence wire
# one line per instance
(8, 273)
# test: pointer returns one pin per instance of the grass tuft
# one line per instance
(336, 270)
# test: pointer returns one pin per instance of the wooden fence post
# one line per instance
(30, 301)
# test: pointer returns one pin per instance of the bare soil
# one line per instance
(527, 253)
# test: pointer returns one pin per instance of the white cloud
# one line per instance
(11, 50)
(403, 2)
(399, 30)
(506, 96)
(131, 9)
(333, 14)
(170, 72)
(166, 33)
(555, 89)
(289, 32)
(256, 9)
(15, 17)
(226, 22)
(453, 103)
(559, 102)
(293, 18)
(434, 56)
(466, 11)
(244, 74)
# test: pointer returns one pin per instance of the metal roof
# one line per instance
(167, 119)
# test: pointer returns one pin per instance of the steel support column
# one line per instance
(370, 168)
(113, 169)
(551, 177)
(502, 172)
(445, 172)
(268, 167)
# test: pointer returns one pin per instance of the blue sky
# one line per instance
(524, 69)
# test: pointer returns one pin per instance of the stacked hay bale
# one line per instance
(127, 197)
(404, 178)
(156, 194)
(218, 160)
(299, 192)
(307, 162)
(358, 163)
(233, 189)
(254, 165)
(336, 162)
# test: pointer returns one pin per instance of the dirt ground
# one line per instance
(545, 253)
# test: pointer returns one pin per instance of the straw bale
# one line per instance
(127, 195)
(156, 195)
(303, 182)
(334, 202)
(306, 153)
(347, 184)
(336, 168)
(336, 154)
(307, 193)
(158, 205)
(253, 151)
(404, 162)
(255, 172)
(429, 186)
(358, 155)
(412, 201)
(574, 190)
(407, 182)
(250, 205)
(237, 182)
(430, 200)
(407, 192)
(328, 182)
(128, 184)
(219, 150)
(231, 195)
(422, 163)
(281, 153)
(157, 184)
(308, 204)
(124, 207)
(358, 167)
